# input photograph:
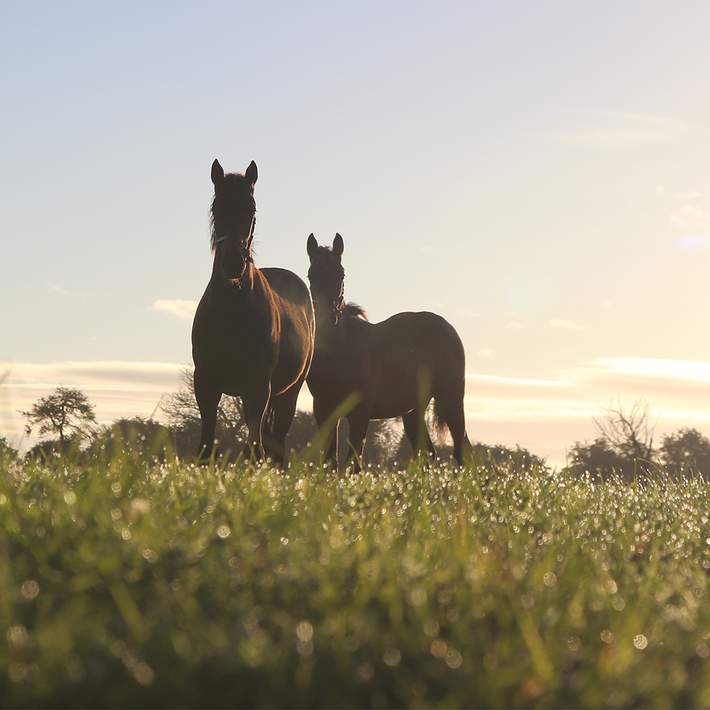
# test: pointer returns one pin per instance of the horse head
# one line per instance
(233, 219)
(327, 276)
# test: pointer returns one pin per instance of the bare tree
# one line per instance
(629, 433)
(183, 416)
(625, 440)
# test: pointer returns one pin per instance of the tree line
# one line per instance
(624, 445)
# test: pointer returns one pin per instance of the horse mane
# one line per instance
(352, 310)
(213, 236)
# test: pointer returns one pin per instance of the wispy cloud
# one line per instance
(689, 195)
(692, 242)
(690, 217)
(468, 313)
(116, 388)
(621, 129)
(516, 383)
(178, 307)
(696, 371)
(562, 324)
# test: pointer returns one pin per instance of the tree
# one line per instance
(598, 459)
(7, 451)
(65, 413)
(629, 433)
(686, 451)
(146, 435)
(624, 444)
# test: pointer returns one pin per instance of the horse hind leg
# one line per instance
(283, 409)
(416, 431)
(256, 403)
(449, 411)
(356, 439)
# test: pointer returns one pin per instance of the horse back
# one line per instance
(391, 356)
(288, 286)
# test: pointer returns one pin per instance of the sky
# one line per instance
(538, 174)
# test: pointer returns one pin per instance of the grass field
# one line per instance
(129, 583)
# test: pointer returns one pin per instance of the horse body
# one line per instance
(387, 364)
(394, 367)
(267, 325)
(252, 337)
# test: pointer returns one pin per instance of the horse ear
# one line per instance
(217, 172)
(252, 173)
(312, 245)
(338, 246)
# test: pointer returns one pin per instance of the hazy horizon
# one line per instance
(536, 175)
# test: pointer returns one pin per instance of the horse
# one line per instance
(393, 368)
(253, 332)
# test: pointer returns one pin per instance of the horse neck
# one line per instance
(326, 331)
(222, 285)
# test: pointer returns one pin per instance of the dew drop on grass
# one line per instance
(29, 589)
(304, 631)
(392, 657)
(640, 642)
(17, 635)
(223, 531)
(143, 673)
(140, 506)
(431, 627)
(365, 672)
(454, 659)
(438, 648)
(606, 636)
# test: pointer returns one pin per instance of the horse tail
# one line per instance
(439, 416)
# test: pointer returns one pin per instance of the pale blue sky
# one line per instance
(537, 173)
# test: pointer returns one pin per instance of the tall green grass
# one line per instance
(125, 582)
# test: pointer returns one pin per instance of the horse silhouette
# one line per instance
(253, 332)
(392, 368)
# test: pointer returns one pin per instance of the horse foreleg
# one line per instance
(256, 402)
(207, 396)
(330, 447)
(356, 440)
